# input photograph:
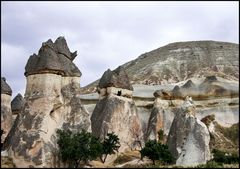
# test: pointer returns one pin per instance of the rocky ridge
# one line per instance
(180, 61)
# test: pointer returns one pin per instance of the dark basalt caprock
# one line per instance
(53, 58)
(188, 84)
(116, 78)
(5, 88)
(17, 104)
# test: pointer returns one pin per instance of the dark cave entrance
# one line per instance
(119, 93)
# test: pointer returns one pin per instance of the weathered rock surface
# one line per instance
(116, 78)
(5, 88)
(51, 101)
(6, 113)
(189, 138)
(222, 138)
(161, 116)
(17, 104)
(116, 113)
(181, 61)
(53, 58)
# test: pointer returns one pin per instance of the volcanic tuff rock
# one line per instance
(211, 87)
(180, 61)
(188, 139)
(114, 112)
(222, 138)
(51, 101)
(161, 116)
(6, 113)
(5, 88)
(116, 78)
(17, 104)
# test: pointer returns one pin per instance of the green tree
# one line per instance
(110, 146)
(156, 151)
(77, 147)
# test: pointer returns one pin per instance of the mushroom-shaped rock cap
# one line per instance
(17, 103)
(188, 84)
(116, 78)
(53, 58)
(5, 88)
(210, 79)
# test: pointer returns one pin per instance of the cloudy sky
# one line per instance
(107, 34)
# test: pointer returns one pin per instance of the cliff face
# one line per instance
(6, 112)
(116, 112)
(51, 101)
(188, 138)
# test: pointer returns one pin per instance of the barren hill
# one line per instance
(180, 61)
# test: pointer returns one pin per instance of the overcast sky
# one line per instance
(107, 34)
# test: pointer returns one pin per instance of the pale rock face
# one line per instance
(189, 138)
(161, 117)
(52, 101)
(6, 115)
(119, 115)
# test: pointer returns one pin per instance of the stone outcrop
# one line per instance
(6, 113)
(188, 138)
(51, 101)
(209, 88)
(117, 78)
(17, 105)
(114, 112)
(53, 58)
(222, 138)
(161, 116)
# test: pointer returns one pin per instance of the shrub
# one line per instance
(157, 151)
(110, 145)
(77, 147)
(223, 157)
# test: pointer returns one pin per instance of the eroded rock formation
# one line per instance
(52, 101)
(115, 111)
(188, 138)
(17, 105)
(161, 116)
(6, 113)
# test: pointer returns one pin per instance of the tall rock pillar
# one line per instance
(52, 101)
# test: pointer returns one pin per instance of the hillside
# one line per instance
(180, 61)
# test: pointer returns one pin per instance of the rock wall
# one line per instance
(119, 115)
(51, 101)
(189, 138)
(6, 112)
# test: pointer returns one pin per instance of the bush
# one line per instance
(157, 151)
(83, 146)
(77, 147)
(110, 145)
(223, 157)
(210, 164)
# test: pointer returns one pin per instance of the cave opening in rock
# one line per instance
(119, 93)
